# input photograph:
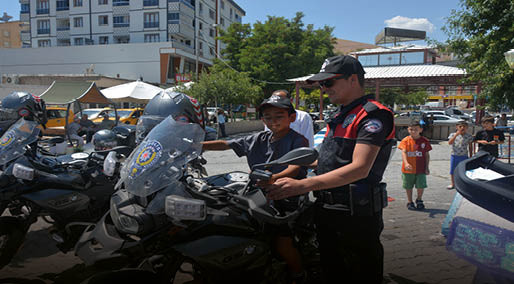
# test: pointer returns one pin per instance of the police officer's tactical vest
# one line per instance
(341, 136)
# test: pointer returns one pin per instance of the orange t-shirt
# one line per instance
(416, 153)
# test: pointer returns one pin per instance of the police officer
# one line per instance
(351, 162)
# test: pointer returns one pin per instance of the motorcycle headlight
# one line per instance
(181, 208)
(110, 164)
(23, 172)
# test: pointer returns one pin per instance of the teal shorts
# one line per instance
(409, 180)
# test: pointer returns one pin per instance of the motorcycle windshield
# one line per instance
(160, 158)
(14, 140)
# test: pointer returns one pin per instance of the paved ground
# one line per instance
(414, 248)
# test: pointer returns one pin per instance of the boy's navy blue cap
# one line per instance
(338, 65)
(277, 101)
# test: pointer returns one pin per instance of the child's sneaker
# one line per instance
(419, 204)
(411, 206)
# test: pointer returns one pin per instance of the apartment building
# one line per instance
(10, 34)
(188, 27)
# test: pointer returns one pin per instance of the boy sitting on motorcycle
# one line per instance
(277, 113)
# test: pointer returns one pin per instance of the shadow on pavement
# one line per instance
(433, 212)
(20, 281)
(37, 244)
(397, 279)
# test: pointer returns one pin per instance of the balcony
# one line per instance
(120, 2)
(63, 28)
(25, 11)
(43, 31)
(120, 25)
(149, 25)
(150, 3)
(41, 11)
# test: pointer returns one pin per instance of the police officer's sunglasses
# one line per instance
(330, 82)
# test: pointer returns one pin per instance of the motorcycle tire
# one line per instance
(180, 270)
(12, 236)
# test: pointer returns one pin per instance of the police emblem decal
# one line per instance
(373, 126)
(7, 139)
(348, 120)
(324, 65)
(146, 157)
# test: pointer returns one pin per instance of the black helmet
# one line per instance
(104, 140)
(180, 106)
(26, 105)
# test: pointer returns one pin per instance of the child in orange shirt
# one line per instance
(415, 160)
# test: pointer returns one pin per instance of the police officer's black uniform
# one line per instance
(349, 218)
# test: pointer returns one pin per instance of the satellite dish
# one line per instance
(5, 17)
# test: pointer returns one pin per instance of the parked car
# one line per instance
(56, 120)
(126, 115)
(212, 112)
(444, 120)
(457, 113)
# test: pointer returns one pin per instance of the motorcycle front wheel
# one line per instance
(181, 270)
(12, 235)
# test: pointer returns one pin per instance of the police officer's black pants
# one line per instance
(350, 247)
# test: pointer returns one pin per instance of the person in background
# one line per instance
(87, 127)
(303, 123)
(502, 120)
(73, 130)
(489, 137)
(106, 123)
(415, 161)
(221, 122)
(461, 148)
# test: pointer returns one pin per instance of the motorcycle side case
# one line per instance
(67, 202)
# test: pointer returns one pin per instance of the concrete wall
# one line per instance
(129, 61)
(243, 126)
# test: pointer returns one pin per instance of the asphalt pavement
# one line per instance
(415, 250)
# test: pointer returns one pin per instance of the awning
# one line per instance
(68, 92)
(137, 92)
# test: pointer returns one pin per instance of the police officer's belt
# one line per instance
(357, 199)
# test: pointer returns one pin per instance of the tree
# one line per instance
(391, 96)
(276, 50)
(222, 86)
(479, 34)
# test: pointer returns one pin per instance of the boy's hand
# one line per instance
(408, 167)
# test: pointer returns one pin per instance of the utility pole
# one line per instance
(196, 37)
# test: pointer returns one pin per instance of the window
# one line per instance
(211, 32)
(173, 16)
(222, 21)
(7, 44)
(121, 21)
(222, 5)
(25, 8)
(200, 26)
(63, 42)
(211, 14)
(7, 34)
(389, 59)
(231, 13)
(200, 8)
(152, 38)
(211, 50)
(188, 42)
(122, 39)
(368, 60)
(77, 3)
(42, 7)
(151, 20)
(43, 43)
(43, 26)
(79, 41)
(103, 2)
(103, 20)
(413, 58)
(120, 2)
(150, 2)
(103, 40)
(200, 45)
(62, 5)
(78, 22)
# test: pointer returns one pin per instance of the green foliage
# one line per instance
(311, 96)
(479, 34)
(277, 49)
(391, 96)
(224, 86)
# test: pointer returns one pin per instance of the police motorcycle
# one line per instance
(166, 222)
(480, 222)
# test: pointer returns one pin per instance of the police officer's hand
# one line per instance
(284, 188)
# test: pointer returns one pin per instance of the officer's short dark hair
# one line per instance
(414, 123)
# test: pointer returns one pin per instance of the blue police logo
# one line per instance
(146, 157)
(7, 139)
(373, 126)
(348, 120)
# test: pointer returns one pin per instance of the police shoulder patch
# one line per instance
(373, 126)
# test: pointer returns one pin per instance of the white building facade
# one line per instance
(189, 27)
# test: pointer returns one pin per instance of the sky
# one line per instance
(357, 20)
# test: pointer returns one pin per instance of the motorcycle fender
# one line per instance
(220, 252)
(62, 200)
(100, 244)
